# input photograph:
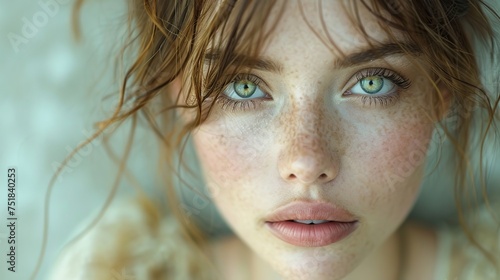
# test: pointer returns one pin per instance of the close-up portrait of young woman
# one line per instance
(322, 133)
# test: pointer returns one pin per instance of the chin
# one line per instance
(314, 263)
(316, 271)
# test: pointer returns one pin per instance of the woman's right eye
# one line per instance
(244, 88)
(243, 94)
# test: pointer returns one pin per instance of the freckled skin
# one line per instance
(311, 142)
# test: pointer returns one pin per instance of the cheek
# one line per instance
(228, 155)
(232, 159)
(393, 161)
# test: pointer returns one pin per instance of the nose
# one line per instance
(307, 155)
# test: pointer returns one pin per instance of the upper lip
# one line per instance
(301, 210)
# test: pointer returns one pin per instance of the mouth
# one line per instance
(311, 224)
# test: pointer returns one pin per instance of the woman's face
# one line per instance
(346, 131)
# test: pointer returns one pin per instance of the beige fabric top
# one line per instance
(145, 250)
(459, 259)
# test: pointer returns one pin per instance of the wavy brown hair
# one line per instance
(170, 39)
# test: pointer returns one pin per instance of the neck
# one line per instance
(384, 263)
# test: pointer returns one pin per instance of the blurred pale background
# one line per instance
(51, 93)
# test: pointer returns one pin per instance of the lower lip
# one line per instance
(311, 235)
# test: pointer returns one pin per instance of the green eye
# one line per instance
(372, 84)
(244, 88)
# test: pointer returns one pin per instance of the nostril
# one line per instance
(323, 176)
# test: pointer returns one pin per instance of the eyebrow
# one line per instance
(360, 57)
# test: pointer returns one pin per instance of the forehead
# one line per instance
(313, 34)
(341, 26)
(310, 27)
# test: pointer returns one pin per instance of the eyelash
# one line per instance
(382, 100)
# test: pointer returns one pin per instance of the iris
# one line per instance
(244, 88)
(372, 84)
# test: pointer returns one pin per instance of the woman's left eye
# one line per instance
(373, 85)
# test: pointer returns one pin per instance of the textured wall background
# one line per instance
(51, 93)
(51, 90)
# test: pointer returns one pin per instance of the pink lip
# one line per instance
(341, 224)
